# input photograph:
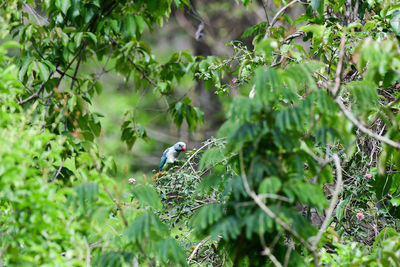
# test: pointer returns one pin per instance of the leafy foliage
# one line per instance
(317, 111)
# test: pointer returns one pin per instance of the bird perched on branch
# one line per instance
(171, 154)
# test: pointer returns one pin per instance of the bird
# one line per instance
(171, 154)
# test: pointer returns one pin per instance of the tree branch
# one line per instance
(35, 95)
(267, 251)
(81, 52)
(98, 75)
(339, 68)
(59, 170)
(274, 19)
(264, 5)
(2, 4)
(202, 242)
(364, 129)
(315, 239)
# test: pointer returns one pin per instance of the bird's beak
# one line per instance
(184, 148)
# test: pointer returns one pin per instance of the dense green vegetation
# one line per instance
(298, 122)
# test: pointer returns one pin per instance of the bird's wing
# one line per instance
(163, 159)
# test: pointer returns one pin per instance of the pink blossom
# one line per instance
(360, 215)
(132, 180)
(234, 80)
(367, 175)
(212, 66)
(320, 83)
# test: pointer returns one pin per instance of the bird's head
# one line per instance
(180, 146)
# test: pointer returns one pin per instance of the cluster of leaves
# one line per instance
(54, 48)
(47, 204)
(384, 252)
(54, 207)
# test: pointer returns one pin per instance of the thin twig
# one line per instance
(335, 196)
(144, 74)
(197, 248)
(364, 129)
(339, 68)
(274, 196)
(274, 19)
(88, 256)
(267, 251)
(198, 150)
(112, 228)
(59, 170)
(287, 257)
(36, 94)
(81, 52)
(2, 4)
(98, 75)
(264, 5)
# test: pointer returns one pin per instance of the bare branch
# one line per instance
(88, 256)
(198, 150)
(199, 31)
(364, 129)
(339, 68)
(287, 257)
(264, 5)
(2, 4)
(274, 19)
(35, 95)
(274, 196)
(315, 239)
(81, 52)
(271, 256)
(202, 242)
(98, 75)
(293, 36)
(59, 170)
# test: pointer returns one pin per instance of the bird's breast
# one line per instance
(171, 157)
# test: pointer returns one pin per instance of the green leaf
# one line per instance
(129, 27)
(382, 184)
(268, 83)
(145, 226)
(92, 36)
(210, 157)
(395, 201)
(78, 38)
(270, 185)
(64, 5)
(395, 22)
(43, 71)
(228, 227)
(318, 5)
(207, 215)
(341, 209)
(365, 95)
(147, 195)
(23, 70)
(141, 24)
(169, 251)
(86, 196)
